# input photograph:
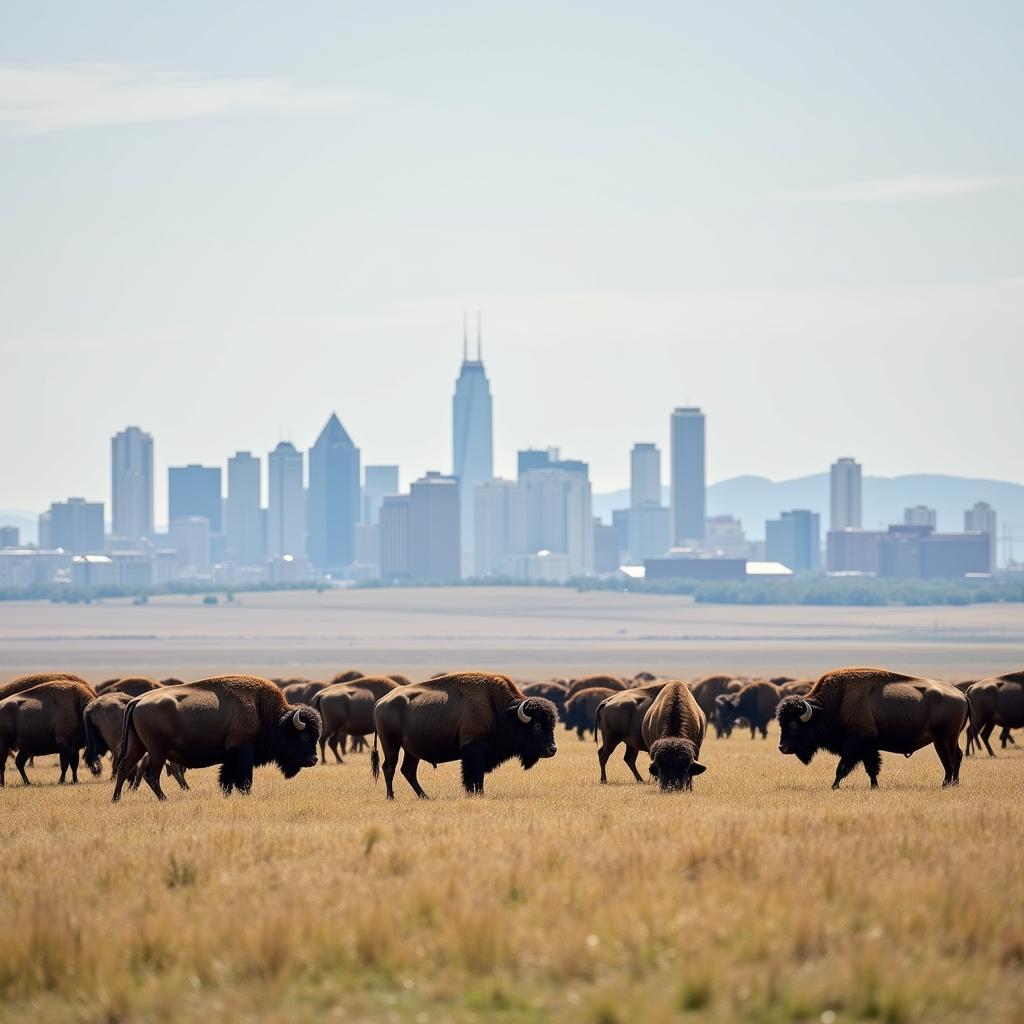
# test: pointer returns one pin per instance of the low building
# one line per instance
(695, 568)
(10, 537)
(794, 540)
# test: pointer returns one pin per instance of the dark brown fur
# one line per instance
(673, 731)
(620, 719)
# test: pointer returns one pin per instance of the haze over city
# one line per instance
(224, 223)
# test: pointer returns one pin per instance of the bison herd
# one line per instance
(483, 719)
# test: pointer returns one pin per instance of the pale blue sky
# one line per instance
(223, 221)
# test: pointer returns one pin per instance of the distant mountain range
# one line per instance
(754, 499)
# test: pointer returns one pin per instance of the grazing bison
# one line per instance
(104, 723)
(303, 692)
(706, 691)
(858, 712)
(756, 703)
(549, 691)
(172, 681)
(673, 732)
(347, 710)
(238, 722)
(796, 688)
(587, 682)
(46, 719)
(643, 678)
(134, 686)
(22, 683)
(397, 677)
(580, 712)
(477, 718)
(996, 701)
(620, 719)
(349, 675)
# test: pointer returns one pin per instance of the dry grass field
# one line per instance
(760, 896)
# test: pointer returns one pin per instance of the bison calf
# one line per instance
(673, 731)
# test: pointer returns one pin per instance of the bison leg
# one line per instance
(605, 751)
(126, 762)
(873, 765)
(948, 752)
(474, 763)
(244, 761)
(177, 773)
(332, 742)
(852, 754)
(358, 744)
(19, 762)
(985, 732)
(409, 766)
(630, 758)
(390, 764)
(73, 762)
(152, 774)
(1006, 737)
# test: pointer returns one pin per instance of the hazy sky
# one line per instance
(222, 221)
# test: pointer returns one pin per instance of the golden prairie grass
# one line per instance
(760, 896)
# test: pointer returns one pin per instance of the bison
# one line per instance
(347, 710)
(612, 682)
(22, 683)
(859, 712)
(302, 692)
(46, 719)
(673, 731)
(238, 722)
(996, 701)
(477, 718)
(104, 722)
(580, 711)
(756, 703)
(549, 691)
(620, 719)
(134, 686)
(707, 690)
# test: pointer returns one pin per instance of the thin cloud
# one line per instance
(891, 190)
(56, 98)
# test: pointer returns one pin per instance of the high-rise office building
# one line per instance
(190, 538)
(845, 494)
(499, 525)
(76, 525)
(394, 538)
(379, 482)
(794, 539)
(244, 515)
(548, 458)
(688, 481)
(286, 504)
(644, 475)
(919, 515)
(333, 499)
(194, 491)
(131, 479)
(472, 440)
(434, 530)
(982, 518)
(559, 518)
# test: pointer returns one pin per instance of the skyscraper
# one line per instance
(644, 475)
(245, 517)
(131, 479)
(194, 491)
(919, 515)
(472, 439)
(498, 511)
(983, 519)
(333, 500)
(794, 539)
(394, 537)
(379, 482)
(434, 506)
(76, 525)
(286, 505)
(845, 486)
(689, 501)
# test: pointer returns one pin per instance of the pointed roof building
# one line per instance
(333, 500)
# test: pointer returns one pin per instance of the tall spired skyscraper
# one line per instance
(472, 438)
(333, 500)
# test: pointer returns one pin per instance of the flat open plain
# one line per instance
(761, 896)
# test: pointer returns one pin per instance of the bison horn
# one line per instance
(521, 712)
(808, 711)
(297, 720)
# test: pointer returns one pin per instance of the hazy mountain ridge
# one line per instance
(754, 499)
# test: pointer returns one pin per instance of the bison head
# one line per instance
(673, 763)
(802, 727)
(295, 740)
(727, 710)
(531, 723)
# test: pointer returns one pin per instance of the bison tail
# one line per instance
(375, 759)
(597, 719)
(129, 712)
(95, 748)
(970, 723)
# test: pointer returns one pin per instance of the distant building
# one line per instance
(394, 538)
(644, 476)
(472, 441)
(919, 515)
(794, 539)
(649, 529)
(368, 548)
(620, 523)
(606, 548)
(434, 534)
(908, 552)
(286, 506)
(75, 525)
(845, 494)
(982, 519)
(724, 536)
(530, 459)
(688, 482)
(858, 551)
(245, 541)
(499, 526)
(332, 504)
(379, 482)
(695, 568)
(195, 491)
(10, 537)
(131, 475)
(558, 510)
(190, 538)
